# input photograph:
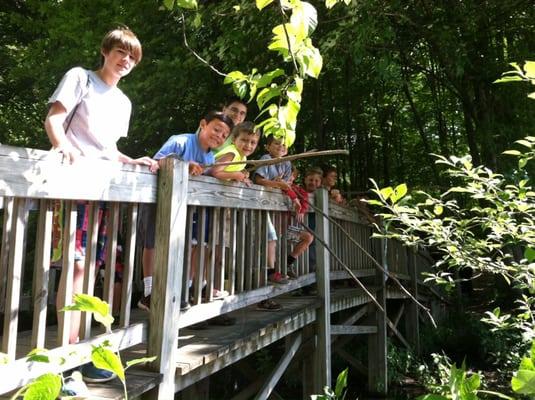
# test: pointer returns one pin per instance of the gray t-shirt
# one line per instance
(281, 170)
(101, 113)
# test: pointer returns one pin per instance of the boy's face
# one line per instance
(118, 61)
(236, 111)
(312, 182)
(330, 179)
(213, 133)
(277, 148)
(246, 143)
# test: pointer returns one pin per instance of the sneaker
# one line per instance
(184, 305)
(277, 278)
(144, 303)
(268, 305)
(92, 374)
(74, 386)
(219, 294)
(292, 272)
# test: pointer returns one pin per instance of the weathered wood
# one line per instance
(351, 359)
(8, 203)
(22, 371)
(42, 267)
(377, 345)
(138, 381)
(323, 353)
(211, 192)
(90, 264)
(128, 263)
(412, 322)
(14, 271)
(167, 278)
(352, 330)
(279, 369)
(42, 174)
(111, 252)
(67, 271)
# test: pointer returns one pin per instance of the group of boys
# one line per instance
(88, 114)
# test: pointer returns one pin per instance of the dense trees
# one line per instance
(401, 79)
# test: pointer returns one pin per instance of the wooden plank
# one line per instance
(22, 371)
(42, 268)
(128, 261)
(232, 275)
(67, 271)
(14, 283)
(111, 252)
(323, 354)
(279, 369)
(138, 381)
(41, 174)
(377, 344)
(211, 192)
(4, 249)
(412, 322)
(167, 279)
(240, 249)
(352, 330)
(90, 264)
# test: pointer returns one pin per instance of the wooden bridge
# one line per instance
(234, 258)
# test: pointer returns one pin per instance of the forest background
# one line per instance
(400, 79)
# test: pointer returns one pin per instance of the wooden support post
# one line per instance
(308, 364)
(281, 366)
(323, 319)
(412, 322)
(167, 277)
(377, 365)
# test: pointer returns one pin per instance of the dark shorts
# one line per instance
(147, 225)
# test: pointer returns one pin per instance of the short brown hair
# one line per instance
(314, 171)
(247, 127)
(125, 39)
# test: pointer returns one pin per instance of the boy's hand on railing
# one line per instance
(195, 168)
(70, 154)
(148, 162)
(297, 205)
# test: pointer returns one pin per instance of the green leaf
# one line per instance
(529, 67)
(512, 152)
(268, 77)
(46, 387)
(108, 360)
(507, 79)
(189, 4)
(140, 361)
(260, 4)
(266, 95)
(431, 397)
(524, 382)
(438, 209)
(169, 4)
(341, 383)
(386, 192)
(529, 254)
(99, 308)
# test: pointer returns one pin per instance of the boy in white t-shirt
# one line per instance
(88, 114)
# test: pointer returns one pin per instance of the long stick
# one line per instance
(271, 161)
(377, 265)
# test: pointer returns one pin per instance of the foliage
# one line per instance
(340, 389)
(48, 386)
(523, 382)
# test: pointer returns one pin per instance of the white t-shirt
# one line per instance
(102, 115)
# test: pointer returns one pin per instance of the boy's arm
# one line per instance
(218, 171)
(56, 133)
(147, 161)
(260, 180)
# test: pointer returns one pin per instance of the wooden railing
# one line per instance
(231, 253)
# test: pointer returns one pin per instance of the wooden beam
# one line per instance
(42, 268)
(352, 330)
(22, 371)
(281, 366)
(357, 364)
(167, 278)
(323, 353)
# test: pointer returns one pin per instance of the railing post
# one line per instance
(377, 351)
(323, 319)
(411, 316)
(167, 276)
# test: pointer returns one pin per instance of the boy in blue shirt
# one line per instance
(196, 149)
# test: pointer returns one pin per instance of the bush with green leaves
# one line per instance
(48, 386)
(339, 392)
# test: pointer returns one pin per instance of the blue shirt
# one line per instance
(186, 147)
(281, 170)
